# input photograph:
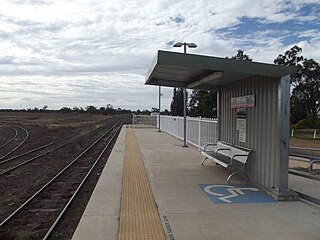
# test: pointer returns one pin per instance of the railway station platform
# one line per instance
(192, 201)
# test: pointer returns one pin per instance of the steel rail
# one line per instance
(40, 155)
(16, 134)
(19, 145)
(87, 131)
(80, 186)
(55, 177)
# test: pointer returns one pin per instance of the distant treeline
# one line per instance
(108, 110)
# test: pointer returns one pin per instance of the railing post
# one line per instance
(133, 120)
(199, 140)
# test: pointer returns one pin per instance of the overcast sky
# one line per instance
(97, 52)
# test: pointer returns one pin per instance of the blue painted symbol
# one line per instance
(235, 193)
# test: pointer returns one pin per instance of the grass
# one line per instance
(306, 134)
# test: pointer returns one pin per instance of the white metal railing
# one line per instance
(200, 131)
(144, 121)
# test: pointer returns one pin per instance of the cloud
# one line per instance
(92, 52)
(32, 2)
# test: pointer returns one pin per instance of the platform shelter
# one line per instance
(253, 108)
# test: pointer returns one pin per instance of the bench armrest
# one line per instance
(221, 149)
(238, 155)
(209, 144)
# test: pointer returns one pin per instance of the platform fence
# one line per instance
(200, 131)
(144, 121)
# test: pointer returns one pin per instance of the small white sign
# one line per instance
(242, 136)
(242, 128)
(241, 124)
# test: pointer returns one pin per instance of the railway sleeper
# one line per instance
(45, 210)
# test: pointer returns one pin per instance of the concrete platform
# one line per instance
(185, 210)
(306, 186)
(100, 220)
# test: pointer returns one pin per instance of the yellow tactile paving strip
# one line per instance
(139, 217)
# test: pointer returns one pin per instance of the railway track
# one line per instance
(15, 162)
(17, 141)
(38, 215)
(23, 176)
(11, 139)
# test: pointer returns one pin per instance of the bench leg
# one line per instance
(234, 173)
(230, 176)
(204, 160)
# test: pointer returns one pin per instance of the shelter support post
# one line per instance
(159, 130)
(218, 117)
(284, 130)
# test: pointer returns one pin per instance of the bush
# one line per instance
(310, 122)
(313, 122)
(302, 124)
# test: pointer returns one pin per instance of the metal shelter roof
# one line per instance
(192, 71)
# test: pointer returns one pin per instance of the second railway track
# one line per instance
(21, 136)
(5, 140)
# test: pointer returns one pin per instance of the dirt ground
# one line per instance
(307, 143)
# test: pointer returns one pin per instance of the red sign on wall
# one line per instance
(248, 101)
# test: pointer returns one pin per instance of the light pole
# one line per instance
(159, 130)
(190, 45)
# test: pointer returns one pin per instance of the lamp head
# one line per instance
(178, 44)
(191, 45)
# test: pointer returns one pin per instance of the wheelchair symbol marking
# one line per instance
(232, 191)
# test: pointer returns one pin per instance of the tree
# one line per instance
(91, 109)
(297, 110)
(305, 83)
(65, 110)
(110, 110)
(241, 56)
(176, 106)
(102, 110)
(290, 58)
(77, 109)
(165, 112)
(154, 109)
(203, 103)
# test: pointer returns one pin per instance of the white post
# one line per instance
(199, 140)
(133, 120)
(315, 134)
(292, 132)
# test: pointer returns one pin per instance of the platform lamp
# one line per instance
(159, 116)
(185, 45)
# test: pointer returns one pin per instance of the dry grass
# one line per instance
(51, 121)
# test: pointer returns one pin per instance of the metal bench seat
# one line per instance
(228, 156)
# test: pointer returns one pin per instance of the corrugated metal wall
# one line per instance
(262, 133)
